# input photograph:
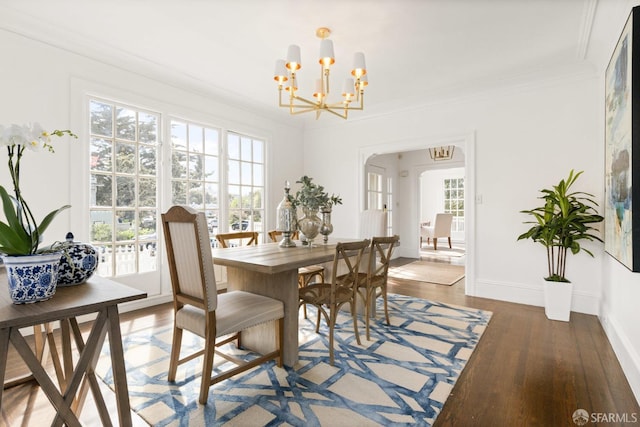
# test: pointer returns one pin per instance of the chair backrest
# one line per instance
(274, 235)
(189, 253)
(380, 254)
(227, 240)
(373, 222)
(345, 257)
(442, 225)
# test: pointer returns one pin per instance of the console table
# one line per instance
(98, 295)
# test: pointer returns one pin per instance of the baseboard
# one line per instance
(520, 293)
(627, 356)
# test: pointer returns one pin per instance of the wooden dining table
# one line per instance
(267, 269)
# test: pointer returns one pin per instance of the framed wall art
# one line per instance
(622, 147)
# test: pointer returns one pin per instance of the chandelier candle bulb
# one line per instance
(293, 58)
(359, 67)
(326, 53)
(347, 89)
(281, 72)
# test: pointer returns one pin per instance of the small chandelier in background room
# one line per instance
(441, 153)
(353, 90)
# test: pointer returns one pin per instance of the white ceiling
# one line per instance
(417, 51)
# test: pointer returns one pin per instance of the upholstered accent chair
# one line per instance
(373, 282)
(240, 238)
(329, 297)
(441, 228)
(200, 310)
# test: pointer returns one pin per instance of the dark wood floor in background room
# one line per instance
(526, 370)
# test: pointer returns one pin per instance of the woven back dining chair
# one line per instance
(200, 310)
(329, 297)
(373, 282)
(240, 238)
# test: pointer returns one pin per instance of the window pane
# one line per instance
(258, 151)
(245, 175)
(179, 136)
(147, 192)
(125, 191)
(196, 192)
(100, 151)
(233, 145)
(125, 124)
(179, 164)
(147, 160)
(179, 192)
(148, 128)
(211, 168)
(246, 144)
(195, 166)
(234, 172)
(101, 190)
(211, 196)
(125, 158)
(211, 142)
(258, 174)
(101, 118)
(196, 139)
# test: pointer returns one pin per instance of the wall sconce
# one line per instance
(441, 153)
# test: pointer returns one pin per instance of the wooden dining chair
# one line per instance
(275, 234)
(373, 282)
(200, 310)
(305, 274)
(340, 291)
(242, 238)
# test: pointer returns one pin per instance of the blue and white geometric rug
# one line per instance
(402, 376)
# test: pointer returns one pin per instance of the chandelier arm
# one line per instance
(306, 101)
(330, 110)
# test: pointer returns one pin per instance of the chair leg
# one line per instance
(449, 242)
(207, 366)
(367, 312)
(384, 298)
(332, 323)
(435, 243)
(175, 353)
(355, 320)
(280, 340)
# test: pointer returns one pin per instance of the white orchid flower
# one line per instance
(36, 139)
(16, 135)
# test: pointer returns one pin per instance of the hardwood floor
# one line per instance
(526, 370)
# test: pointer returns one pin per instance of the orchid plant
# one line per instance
(20, 235)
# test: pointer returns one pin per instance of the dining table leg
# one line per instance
(282, 286)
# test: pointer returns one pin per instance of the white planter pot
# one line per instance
(557, 300)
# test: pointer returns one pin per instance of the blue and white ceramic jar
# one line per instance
(32, 278)
(78, 262)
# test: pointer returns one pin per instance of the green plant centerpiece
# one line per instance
(312, 198)
(566, 218)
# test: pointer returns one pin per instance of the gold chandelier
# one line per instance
(352, 90)
(441, 153)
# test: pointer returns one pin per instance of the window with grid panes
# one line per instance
(454, 202)
(123, 187)
(245, 183)
(195, 169)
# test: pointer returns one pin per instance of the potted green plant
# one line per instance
(565, 220)
(31, 270)
(312, 197)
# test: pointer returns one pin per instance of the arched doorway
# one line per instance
(406, 207)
